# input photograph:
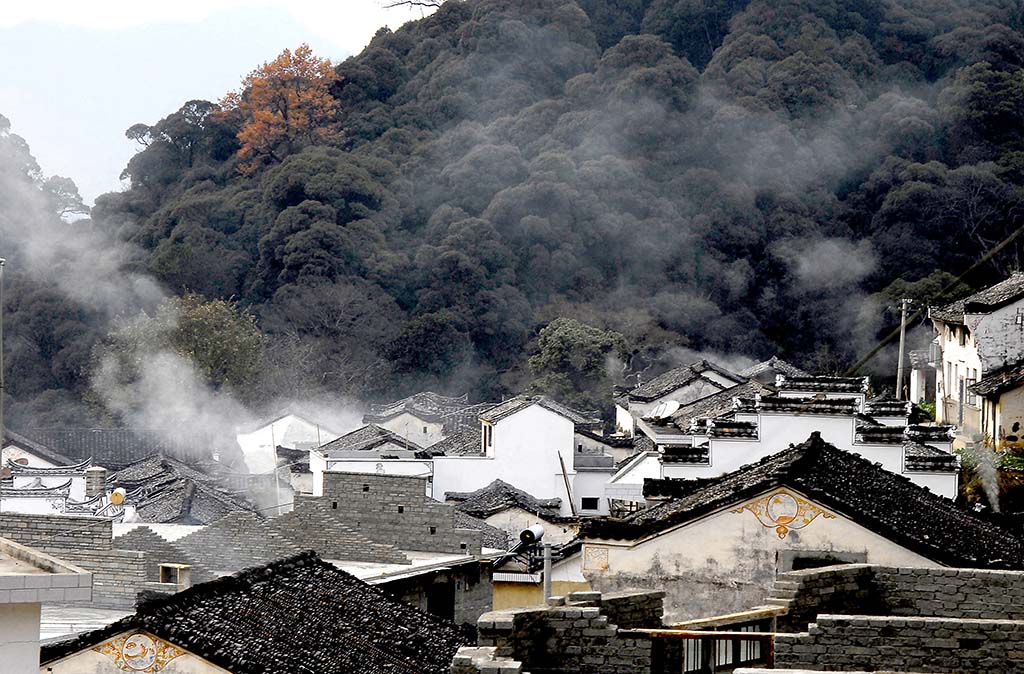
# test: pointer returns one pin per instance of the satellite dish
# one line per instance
(668, 409)
(657, 412)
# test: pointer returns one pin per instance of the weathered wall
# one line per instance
(727, 561)
(577, 637)
(912, 644)
(514, 520)
(89, 661)
(85, 542)
(19, 643)
(410, 427)
(393, 510)
(470, 586)
(161, 551)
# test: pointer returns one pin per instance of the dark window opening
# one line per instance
(366, 487)
(590, 503)
(401, 509)
(462, 546)
(334, 505)
(433, 530)
(801, 563)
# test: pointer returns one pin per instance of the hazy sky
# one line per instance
(75, 74)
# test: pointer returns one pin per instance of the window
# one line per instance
(961, 334)
(401, 509)
(424, 430)
(589, 503)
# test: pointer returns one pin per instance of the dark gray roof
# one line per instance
(492, 537)
(999, 381)
(115, 448)
(982, 302)
(717, 404)
(728, 428)
(880, 435)
(499, 496)
(831, 406)
(39, 449)
(925, 458)
(886, 503)
(931, 432)
(513, 405)
(679, 377)
(888, 407)
(773, 366)
(688, 454)
(822, 384)
(299, 614)
(367, 438)
(466, 442)
(426, 405)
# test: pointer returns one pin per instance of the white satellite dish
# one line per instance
(657, 412)
(667, 409)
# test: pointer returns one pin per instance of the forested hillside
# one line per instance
(742, 178)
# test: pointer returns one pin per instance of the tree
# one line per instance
(573, 360)
(286, 103)
(63, 197)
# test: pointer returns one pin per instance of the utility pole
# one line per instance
(904, 303)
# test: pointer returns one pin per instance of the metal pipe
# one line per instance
(547, 572)
(903, 336)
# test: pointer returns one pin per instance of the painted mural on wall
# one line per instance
(784, 511)
(139, 652)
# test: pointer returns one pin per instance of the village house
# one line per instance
(767, 371)
(512, 510)
(981, 337)
(259, 440)
(680, 385)
(30, 578)
(715, 545)
(425, 418)
(720, 433)
(295, 614)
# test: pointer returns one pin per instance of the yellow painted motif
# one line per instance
(784, 511)
(139, 652)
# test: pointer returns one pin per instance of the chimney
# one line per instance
(95, 481)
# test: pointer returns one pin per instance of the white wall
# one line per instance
(727, 560)
(997, 337)
(411, 427)
(591, 483)
(19, 638)
(258, 446)
(514, 520)
(13, 452)
(624, 420)
(89, 661)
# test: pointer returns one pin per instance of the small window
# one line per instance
(589, 503)
(462, 546)
(334, 505)
(433, 530)
(366, 487)
(401, 509)
(424, 430)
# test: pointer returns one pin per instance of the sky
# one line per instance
(75, 74)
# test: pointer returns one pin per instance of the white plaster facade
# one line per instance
(259, 445)
(105, 660)
(961, 366)
(515, 520)
(414, 429)
(727, 560)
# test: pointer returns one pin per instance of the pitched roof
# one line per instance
(823, 384)
(500, 495)
(513, 405)
(426, 405)
(115, 448)
(982, 302)
(794, 405)
(676, 378)
(925, 458)
(884, 502)
(888, 407)
(37, 448)
(774, 365)
(999, 381)
(367, 438)
(466, 442)
(298, 614)
(492, 537)
(717, 404)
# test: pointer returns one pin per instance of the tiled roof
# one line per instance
(676, 378)
(607, 439)
(831, 406)
(492, 537)
(513, 405)
(38, 448)
(999, 381)
(466, 442)
(464, 418)
(298, 615)
(774, 365)
(366, 438)
(728, 428)
(931, 432)
(983, 301)
(821, 384)
(886, 503)
(880, 435)
(717, 404)
(115, 448)
(928, 459)
(426, 405)
(688, 454)
(500, 495)
(887, 407)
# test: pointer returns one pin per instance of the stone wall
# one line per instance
(469, 584)
(885, 643)
(572, 635)
(85, 542)
(314, 523)
(161, 551)
(395, 510)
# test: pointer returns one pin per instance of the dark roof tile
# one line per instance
(499, 496)
(982, 302)
(679, 377)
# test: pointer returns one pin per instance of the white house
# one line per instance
(260, 440)
(715, 546)
(681, 385)
(978, 336)
(423, 418)
(29, 579)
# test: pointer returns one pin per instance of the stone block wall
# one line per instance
(395, 510)
(315, 523)
(85, 542)
(161, 551)
(886, 643)
(847, 588)
(469, 583)
(573, 635)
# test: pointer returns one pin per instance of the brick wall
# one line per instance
(470, 584)
(86, 542)
(395, 510)
(847, 588)
(161, 551)
(574, 637)
(316, 524)
(926, 644)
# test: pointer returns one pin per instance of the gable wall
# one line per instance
(695, 390)
(89, 661)
(726, 562)
(514, 520)
(411, 427)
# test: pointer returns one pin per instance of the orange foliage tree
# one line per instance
(285, 104)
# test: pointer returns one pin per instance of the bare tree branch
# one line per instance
(414, 3)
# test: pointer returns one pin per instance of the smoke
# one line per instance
(827, 263)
